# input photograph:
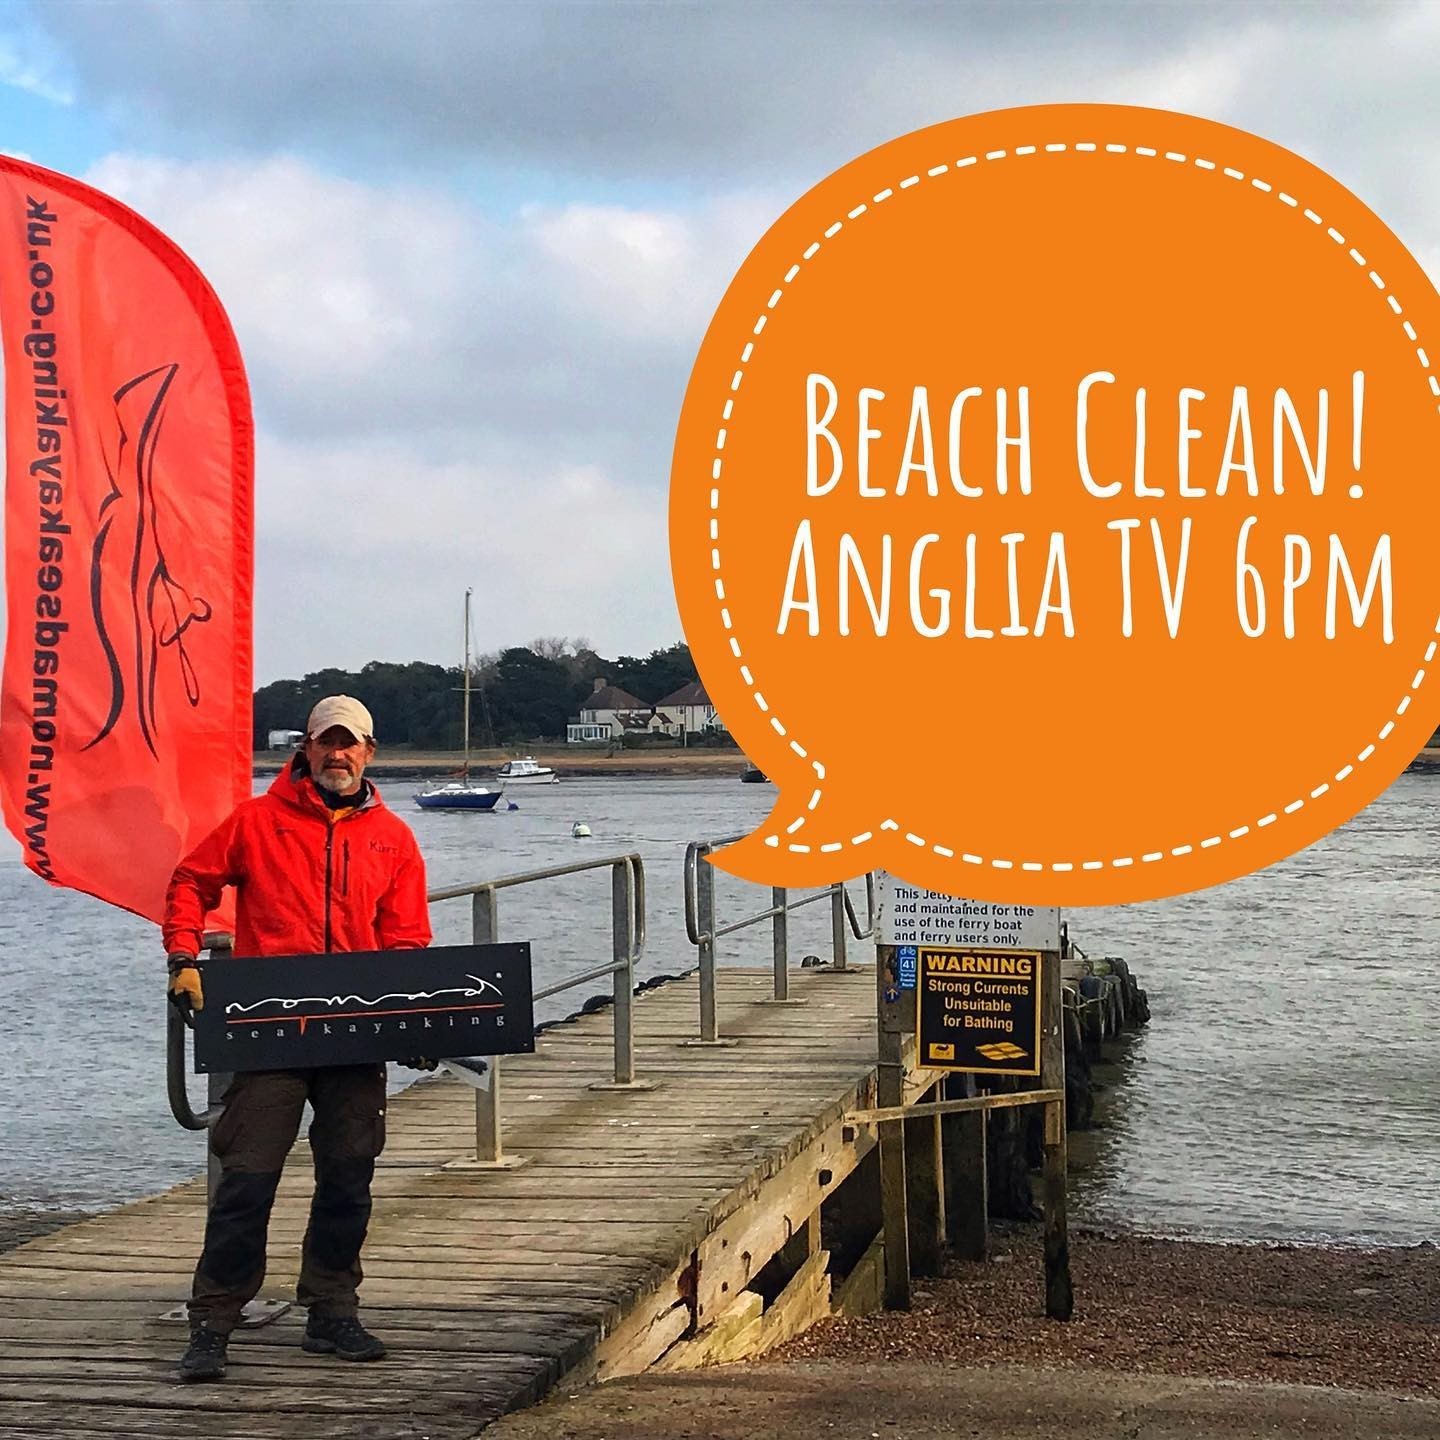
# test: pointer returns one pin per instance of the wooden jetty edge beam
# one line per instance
(969, 1104)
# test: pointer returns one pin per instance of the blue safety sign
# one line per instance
(906, 965)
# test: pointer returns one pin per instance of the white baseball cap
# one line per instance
(343, 710)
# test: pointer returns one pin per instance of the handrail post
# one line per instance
(705, 914)
(485, 928)
(627, 937)
(837, 924)
(780, 941)
(622, 926)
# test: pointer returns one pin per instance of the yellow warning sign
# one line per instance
(979, 1010)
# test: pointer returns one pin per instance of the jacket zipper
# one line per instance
(345, 873)
(329, 845)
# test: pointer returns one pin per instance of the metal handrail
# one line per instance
(1069, 948)
(702, 931)
(526, 877)
(693, 852)
(176, 1024)
(854, 919)
(703, 847)
(627, 911)
(186, 1116)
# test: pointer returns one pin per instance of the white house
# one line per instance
(691, 707)
(608, 713)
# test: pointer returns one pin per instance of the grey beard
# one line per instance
(338, 782)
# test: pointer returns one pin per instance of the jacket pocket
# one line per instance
(350, 1114)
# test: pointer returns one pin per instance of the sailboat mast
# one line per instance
(467, 681)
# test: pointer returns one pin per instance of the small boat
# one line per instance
(580, 830)
(753, 775)
(464, 793)
(526, 772)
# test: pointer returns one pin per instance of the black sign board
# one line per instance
(287, 1012)
(979, 1010)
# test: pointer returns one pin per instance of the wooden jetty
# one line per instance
(673, 1225)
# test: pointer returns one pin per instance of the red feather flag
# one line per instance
(125, 708)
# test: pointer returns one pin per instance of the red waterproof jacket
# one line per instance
(305, 884)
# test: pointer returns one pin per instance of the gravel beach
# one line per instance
(1171, 1340)
(1299, 1315)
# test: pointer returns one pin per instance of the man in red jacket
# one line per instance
(319, 864)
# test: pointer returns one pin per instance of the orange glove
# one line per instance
(186, 992)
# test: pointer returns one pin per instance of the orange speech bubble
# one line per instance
(1053, 505)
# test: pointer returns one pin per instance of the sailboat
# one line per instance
(464, 793)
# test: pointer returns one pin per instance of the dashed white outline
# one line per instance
(1260, 186)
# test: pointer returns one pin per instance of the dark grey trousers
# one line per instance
(251, 1139)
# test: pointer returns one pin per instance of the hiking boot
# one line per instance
(343, 1336)
(205, 1357)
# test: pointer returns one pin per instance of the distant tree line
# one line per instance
(525, 693)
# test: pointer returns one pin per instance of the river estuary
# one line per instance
(1285, 1089)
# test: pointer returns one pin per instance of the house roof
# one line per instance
(642, 720)
(612, 697)
(691, 694)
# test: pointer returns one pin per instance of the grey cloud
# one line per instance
(568, 331)
(696, 94)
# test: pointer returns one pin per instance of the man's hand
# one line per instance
(186, 992)
(418, 1064)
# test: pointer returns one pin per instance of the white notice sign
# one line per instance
(909, 915)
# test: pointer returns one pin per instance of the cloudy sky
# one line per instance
(470, 249)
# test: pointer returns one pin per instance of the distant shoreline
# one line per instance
(402, 764)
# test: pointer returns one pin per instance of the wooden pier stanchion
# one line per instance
(1059, 1293)
(967, 1194)
(925, 1191)
(896, 1020)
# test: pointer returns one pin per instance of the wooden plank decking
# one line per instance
(487, 1286)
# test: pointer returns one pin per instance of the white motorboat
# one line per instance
(525, 772)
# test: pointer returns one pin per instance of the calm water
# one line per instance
(1286, 1088)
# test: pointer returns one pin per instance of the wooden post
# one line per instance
(1059, 1295)
(890, 1090)
(925, 1192)
(962, 1145)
